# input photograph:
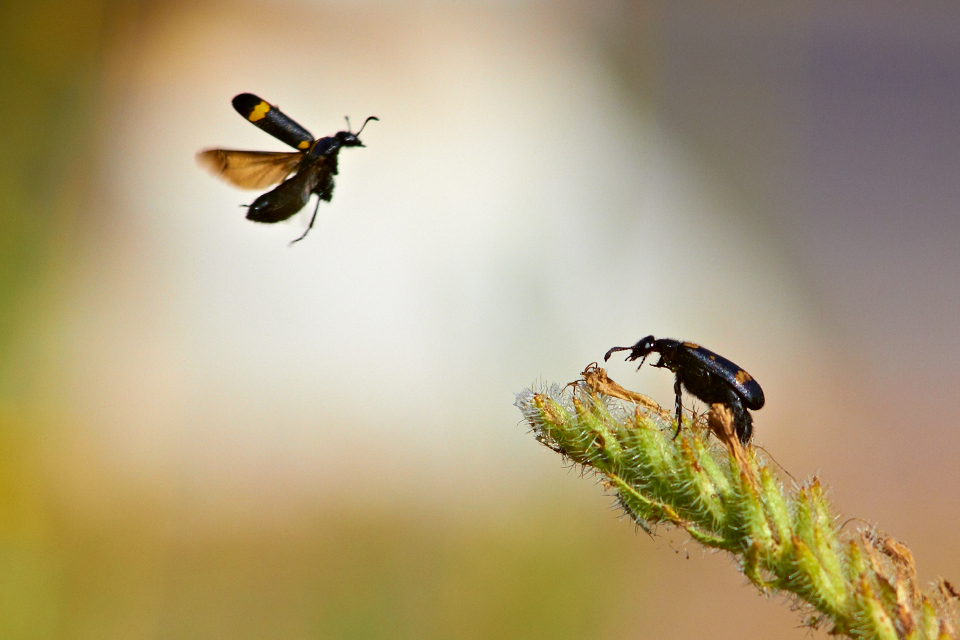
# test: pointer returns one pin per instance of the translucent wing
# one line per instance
(249, 169)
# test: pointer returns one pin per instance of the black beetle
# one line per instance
(705, 375)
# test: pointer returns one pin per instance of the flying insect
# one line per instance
(313, 165)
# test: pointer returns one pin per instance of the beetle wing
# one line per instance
(270, 119)
(249, 169)
(743, 382)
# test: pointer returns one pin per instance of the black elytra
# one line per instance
(709, 377)
(313, 165)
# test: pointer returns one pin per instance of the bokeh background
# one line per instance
(205, 433)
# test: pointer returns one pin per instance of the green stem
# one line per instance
(784, 541)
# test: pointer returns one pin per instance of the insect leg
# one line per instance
(312, 220)
(742, 420)
(677, 390)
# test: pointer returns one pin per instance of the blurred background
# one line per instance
(206, 433)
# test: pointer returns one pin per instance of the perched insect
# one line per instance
(315, 163)
(705, 375)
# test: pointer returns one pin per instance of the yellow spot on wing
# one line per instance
(304, 144)
(259, 112)
(691, 345)
(742, 376)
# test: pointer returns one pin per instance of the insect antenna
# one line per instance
(609, 353)
(364, 123)
(347, 118)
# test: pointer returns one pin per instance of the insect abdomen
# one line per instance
(284, 201)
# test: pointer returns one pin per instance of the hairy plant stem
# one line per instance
(725, 496)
